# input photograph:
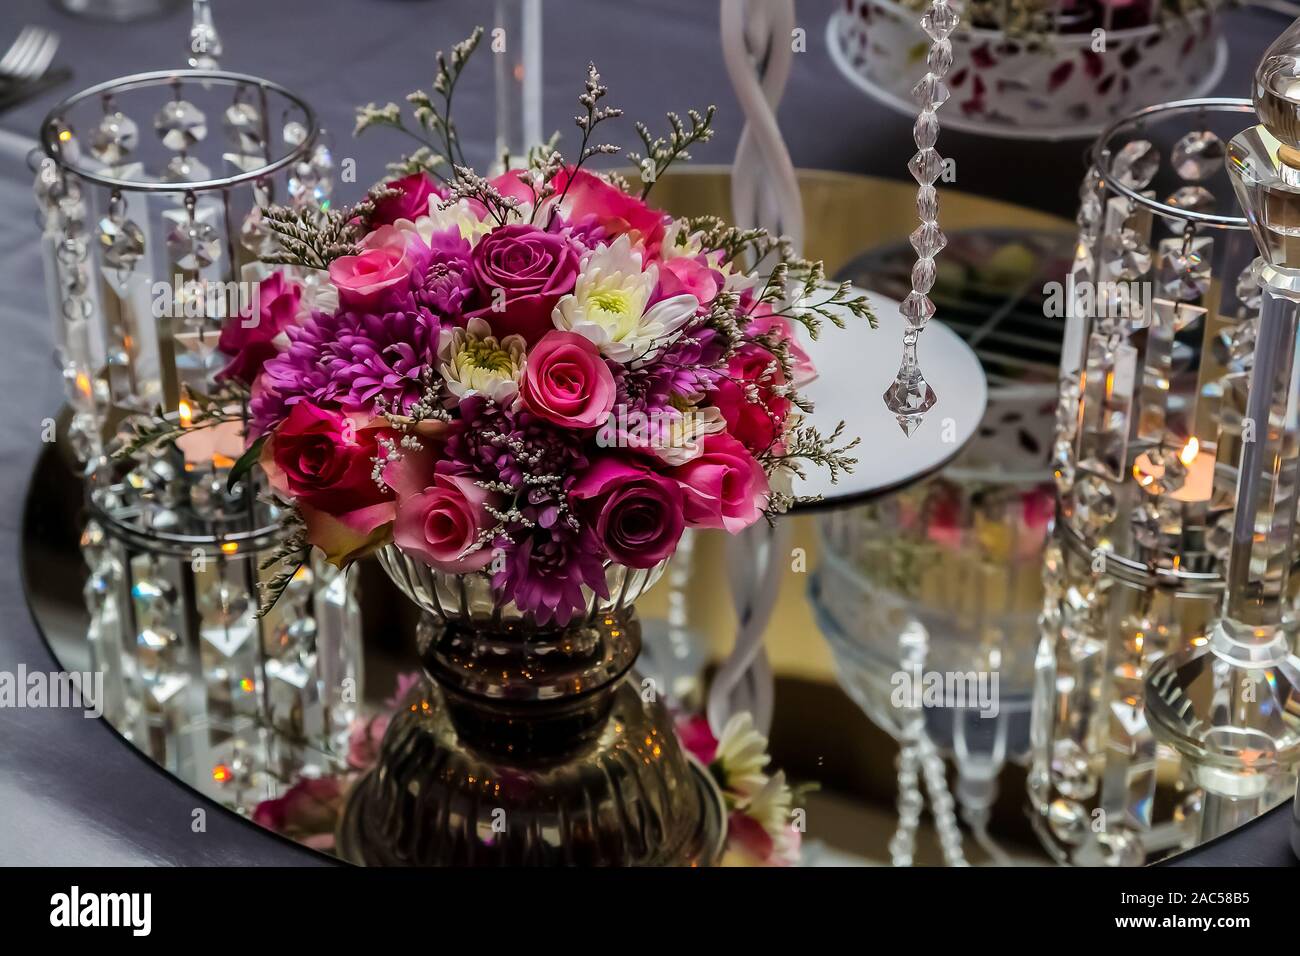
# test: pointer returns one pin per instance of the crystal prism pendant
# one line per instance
(909, 398)
(1198, 155)
(114, 139)
(122, 242)
(193, 245)
(1136, 164)
(243, 125)
(180, 124)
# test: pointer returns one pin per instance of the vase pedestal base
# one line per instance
(628, 796)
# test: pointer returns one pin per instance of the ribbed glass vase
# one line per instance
(528, 744)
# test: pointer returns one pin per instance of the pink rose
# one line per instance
(386, 260)
(522, 272)
(440, 524)
(590, 199)
(685, 275)
(308, 811)
(567, 382)
(724, 487)
(763, 321)
(637, 513)
(249, 339)
(323, 460)
(759, 424)
(413, 201)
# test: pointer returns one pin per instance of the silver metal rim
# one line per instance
(50, 145)
(1101, 156)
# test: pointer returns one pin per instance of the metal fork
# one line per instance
(29, 56)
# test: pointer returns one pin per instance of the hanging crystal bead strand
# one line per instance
(910, 396)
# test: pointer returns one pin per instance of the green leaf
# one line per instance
(246, 462)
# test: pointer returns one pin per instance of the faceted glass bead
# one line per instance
(1192, 199)
(1127, 256)
(1091, 185)
(1094, 505)
(180, 124)
(255, 235)
(917, 309)
(926, 166)
(926, 129)
(1198, 155)
(923, 274)
(1248, 289)
(927, 204)
(939, 59)
(294, 133)
(931, 92)
(193, 245)
(1184, 276)
(1136, 164)
(243, 125)
(1156, 521)
(927, 239)
(114, 138)
(121, 241)
(939, 21)
(1159, 471)
(185, 169)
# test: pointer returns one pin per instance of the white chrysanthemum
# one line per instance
(472, 361)
(682, 437)
(459, 214)
(608, 305)
(771, 807)
(678, 242)
(742, 755)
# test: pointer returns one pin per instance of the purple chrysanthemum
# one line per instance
(349, 360)
(447, 283)
(548, 557)
(684, 369)
(545, 571)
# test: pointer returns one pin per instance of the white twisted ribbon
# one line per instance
(758, 52)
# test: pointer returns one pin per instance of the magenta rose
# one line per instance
(521, 272)
(759, 424)
(323, 461)
(249, 338)
(441, 523)
(637, 513)
(412, 201)
(388, 257)
(724, 487)
(567, 382)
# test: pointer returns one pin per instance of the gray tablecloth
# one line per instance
(70, 792)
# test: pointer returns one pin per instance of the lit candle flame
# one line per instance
(186, 413)
(1190, 451)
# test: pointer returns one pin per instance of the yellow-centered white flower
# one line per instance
(474, 362)
(742, 755)
(608, 305)
(459, 214)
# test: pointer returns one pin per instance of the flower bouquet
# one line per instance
(518, 392)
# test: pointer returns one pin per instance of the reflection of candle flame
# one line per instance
(186, 413)
(1190, 451)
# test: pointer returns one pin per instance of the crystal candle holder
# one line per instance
(1162, 312)
(150, 191)
(192, 675)
(1161, 306)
